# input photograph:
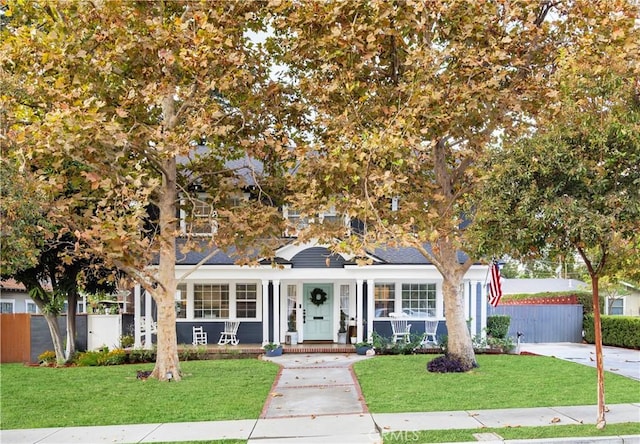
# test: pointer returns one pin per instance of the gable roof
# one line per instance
(408, 256)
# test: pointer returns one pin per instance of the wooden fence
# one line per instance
(15, 337)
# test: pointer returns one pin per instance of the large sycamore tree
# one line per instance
(573, 185)
(153, 99)
(405, 97)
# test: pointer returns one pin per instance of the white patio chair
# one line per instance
(200, 336)
(143, 326)
(400, 327)
(430, 328)
(228, 335)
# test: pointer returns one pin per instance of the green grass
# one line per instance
(393, 384)
(466, 435)
(33, 397)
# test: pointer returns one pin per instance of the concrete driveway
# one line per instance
(622, 361)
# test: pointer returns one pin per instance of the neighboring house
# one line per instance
(626, 303)
(523, 286)
(14, 298)
(309, 288)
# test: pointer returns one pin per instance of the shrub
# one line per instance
(113, 357)
(194, 353)
(386, 346)
(142, 355)
(446, 364)
(88, 358)
(126, 341)
(498, 326)
(47, 358)
(617, 331)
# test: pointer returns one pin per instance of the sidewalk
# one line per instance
(316, 399)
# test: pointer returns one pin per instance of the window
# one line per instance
(31, 307)
(6, 306)
(203, 218)
(292, 292)
(419, 300)
(246, 300)
(384, 295)
(616, 306)
(210, 301)
(181, 301)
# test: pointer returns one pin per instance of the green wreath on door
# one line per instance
(318, 296)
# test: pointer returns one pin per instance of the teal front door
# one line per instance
(318, 312)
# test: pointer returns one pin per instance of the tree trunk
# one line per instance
(167, 364)
(459, 343)
(56, 338)
(601, 422)
(72, 303)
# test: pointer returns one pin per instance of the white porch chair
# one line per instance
(228, 335)
(143, 326)
(200, 336)
(430, 328)
(400, 327)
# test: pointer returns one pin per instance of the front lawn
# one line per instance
(33, 397)
(393, 384)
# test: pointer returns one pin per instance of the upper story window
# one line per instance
(297, 222)
(203, 218)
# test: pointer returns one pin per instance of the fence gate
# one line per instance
(543, 323)
(15, 337)
(103, 330)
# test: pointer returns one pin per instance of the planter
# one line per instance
(342, 338)
(362, 350)
(353, 339)
(274, 352)
(291, 338)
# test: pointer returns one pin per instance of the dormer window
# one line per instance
(199, 217)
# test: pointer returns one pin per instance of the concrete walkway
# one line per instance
(623, 361)
(316, 399)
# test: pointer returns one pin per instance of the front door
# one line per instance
(318, 312)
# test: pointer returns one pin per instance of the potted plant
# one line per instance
(363, 347)
(272, 349)
(342, 332)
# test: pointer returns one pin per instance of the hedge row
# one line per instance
(618, 331)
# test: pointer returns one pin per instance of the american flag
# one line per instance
(495, 287)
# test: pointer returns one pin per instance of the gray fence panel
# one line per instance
(543, 323)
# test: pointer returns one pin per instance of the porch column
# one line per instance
(137, 336)
(359, 310)
(276, 311)
(265, 312)
(483, 308)
(370, 308)
(465, 296)
(148, 319)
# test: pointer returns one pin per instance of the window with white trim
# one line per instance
(31, 307)
(246, 300)
(6, 306)
(181, 301)
(384, 300)
(210, 301)
(419, 300)
(616, 306)
(203, 218)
